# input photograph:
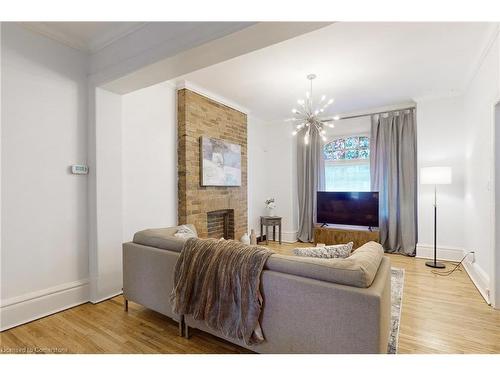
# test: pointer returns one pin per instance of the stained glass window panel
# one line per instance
(338, 155)
(351, 154)
(364, 142)
(338, 144)
(328, 151)
(364, 154)
(348, 148)
(351, 142)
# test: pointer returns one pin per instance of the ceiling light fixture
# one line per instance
(307, 115)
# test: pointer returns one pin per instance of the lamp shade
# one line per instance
(435, 175)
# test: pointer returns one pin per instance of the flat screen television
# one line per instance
(348, 208)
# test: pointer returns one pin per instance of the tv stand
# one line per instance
(331, 235)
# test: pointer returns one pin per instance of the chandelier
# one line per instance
(308, 117)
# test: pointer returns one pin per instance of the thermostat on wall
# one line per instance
(79, 169)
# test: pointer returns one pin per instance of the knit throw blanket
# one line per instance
(218, 281)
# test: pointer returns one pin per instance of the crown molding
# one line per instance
(438, 95)
(489, 42)
(184, 84)
(112, 36)
(43, 29)
(90, 47)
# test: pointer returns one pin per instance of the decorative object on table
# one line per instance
(309, 117)
(270, 205)
(185, 232)
(270, 221)
(435, 176)
(245, 239)
(253, 237)
(332, 251)
(220, 162)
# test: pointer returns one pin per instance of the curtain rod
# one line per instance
(375, 113)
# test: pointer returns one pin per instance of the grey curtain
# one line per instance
(310, 178)
(393, 167)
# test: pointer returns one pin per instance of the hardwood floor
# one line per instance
(439, 315)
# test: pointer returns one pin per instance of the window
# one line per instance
(347, 164)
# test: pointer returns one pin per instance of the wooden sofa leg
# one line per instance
(186, 331)
(125, 304)
(181, 325)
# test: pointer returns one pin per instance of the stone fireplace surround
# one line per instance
(197, 116)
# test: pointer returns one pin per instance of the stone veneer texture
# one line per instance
(199, 116)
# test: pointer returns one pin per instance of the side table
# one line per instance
(270, 221)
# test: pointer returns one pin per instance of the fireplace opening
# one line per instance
(220, 224)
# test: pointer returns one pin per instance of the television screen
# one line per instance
(348, 208)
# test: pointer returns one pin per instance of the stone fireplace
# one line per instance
(208, 207)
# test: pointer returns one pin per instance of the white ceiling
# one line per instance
(86, 36)
(362, 65)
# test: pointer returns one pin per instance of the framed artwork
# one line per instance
(220, 162)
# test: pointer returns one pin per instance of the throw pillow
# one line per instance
(185, 232)
(331, 251)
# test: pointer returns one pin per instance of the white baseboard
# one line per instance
(289, 237)
(479, 278)
(106, 286)
(112, 295)
(23, 309)
(443, 253)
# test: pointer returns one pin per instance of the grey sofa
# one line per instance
(310, 305)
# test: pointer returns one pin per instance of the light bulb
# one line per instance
(294, 110)
(323, 138)
(299, 126)
(336, 118)
(300, 101)
(323, 98)
(330, 101)
(331, 125)
(322, 110)
(316, 112)
(308, 94)
(306, 139)
(323, 132)
(294, 132)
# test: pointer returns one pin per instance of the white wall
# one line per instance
(440, 142)
(358, 125)
(272, 173)
(44, 246)
(479, 100)
(149, 159)
(106, 257)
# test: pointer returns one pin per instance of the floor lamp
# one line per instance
(435, 176)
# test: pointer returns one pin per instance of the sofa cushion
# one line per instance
(330, 251)
(162, 238)
(357, 270)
